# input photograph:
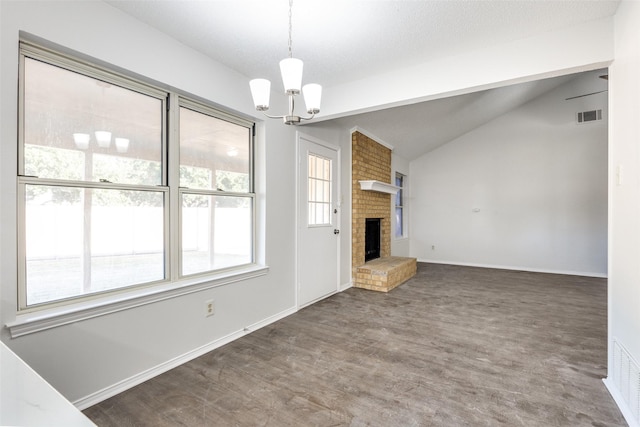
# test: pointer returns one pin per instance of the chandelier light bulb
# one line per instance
(291, 69)
(260, 91)
(312, 93)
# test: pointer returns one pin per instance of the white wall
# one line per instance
(527, 190)
(624, 225)
(86, 357)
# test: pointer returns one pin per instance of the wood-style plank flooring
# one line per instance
(453, 346)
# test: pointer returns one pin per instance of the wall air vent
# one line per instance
(588, 116)
(626, 378)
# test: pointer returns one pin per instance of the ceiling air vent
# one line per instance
(589, 116)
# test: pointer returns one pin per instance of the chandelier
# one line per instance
(291, 70)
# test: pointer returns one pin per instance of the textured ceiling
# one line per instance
(344, 40)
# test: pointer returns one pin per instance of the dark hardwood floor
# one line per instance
(453, 346)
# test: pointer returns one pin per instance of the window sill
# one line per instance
(29, 323)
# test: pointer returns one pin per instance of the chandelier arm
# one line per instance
(274, 117)
(292, 104)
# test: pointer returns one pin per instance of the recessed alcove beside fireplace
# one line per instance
(373, 268)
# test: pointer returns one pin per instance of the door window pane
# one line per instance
(81, 241)
(319, 190)
(216, 232)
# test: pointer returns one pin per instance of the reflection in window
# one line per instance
(71, 119)
(214, 153)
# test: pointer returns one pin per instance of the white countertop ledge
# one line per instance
(26, 399)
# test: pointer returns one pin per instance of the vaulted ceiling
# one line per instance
(342, 41)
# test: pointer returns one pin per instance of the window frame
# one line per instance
(330, 183)
(189, 104)
(40, 316)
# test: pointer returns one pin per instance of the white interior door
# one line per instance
(318, 228)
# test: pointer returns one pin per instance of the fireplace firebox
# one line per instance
(372, 239)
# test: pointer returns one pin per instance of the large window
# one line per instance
(96, 183)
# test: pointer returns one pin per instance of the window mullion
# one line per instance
(174, 222)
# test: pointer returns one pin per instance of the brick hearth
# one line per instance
(384, 274)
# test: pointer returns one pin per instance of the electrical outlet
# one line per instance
(209, 308)
(433, 247)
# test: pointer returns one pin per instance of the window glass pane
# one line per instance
(216, 232)
(70, 120)
(399, 224)
(214, 154)
(81, 241)
(327, 169)
(399, 183)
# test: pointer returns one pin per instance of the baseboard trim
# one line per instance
(345, 286)
(119, 387)
(516, 268)
(622, 405)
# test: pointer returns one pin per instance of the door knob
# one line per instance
(336, 231)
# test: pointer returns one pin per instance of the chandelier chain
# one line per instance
(290, 28)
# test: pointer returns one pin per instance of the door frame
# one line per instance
(298, 255)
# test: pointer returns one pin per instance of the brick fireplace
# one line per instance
(372, 161)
